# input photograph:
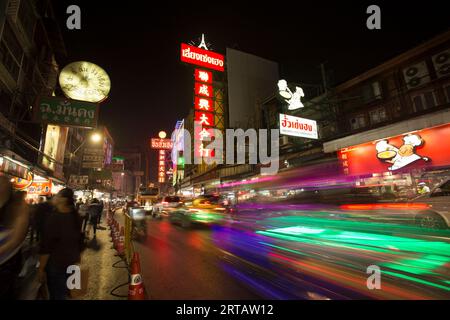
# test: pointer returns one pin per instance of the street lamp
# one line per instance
(162, 134)
(94, 137)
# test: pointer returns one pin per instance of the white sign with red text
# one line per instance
(298, 127)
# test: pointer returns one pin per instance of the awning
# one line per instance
(419, 123)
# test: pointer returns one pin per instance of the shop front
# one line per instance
(403, 165)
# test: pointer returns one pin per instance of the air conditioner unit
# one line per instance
(284, 140)
(441, 63)
(416, 75)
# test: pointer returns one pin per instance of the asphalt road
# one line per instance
(294, 255)
(184, 264)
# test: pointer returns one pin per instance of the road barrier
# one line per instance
(128, 241)
(121, 236)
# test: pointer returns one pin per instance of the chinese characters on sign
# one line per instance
(205, 118)
(204, 104)
(204, 111)
(203, 90)
(204, 114)
(203, 76)
(162, 166)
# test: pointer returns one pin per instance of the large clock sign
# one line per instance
(84, 81)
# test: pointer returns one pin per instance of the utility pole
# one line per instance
(324, 78)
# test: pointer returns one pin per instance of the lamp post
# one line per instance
(94, 137)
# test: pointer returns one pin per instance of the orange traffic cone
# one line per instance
(136, 288)
(116, 237)
(120, 243)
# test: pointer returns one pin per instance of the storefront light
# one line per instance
(16, 162)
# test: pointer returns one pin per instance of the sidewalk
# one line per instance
(98, 276)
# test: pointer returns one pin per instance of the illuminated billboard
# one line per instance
(412, 150)
(201, 57)
(298, 127)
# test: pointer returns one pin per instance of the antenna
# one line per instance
(203, 43)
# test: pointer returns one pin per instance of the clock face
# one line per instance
(84, 81)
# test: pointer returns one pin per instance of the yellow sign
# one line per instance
(85, 81)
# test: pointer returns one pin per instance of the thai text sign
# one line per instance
(201, 57)
(161, 144)
(66, 112)
(298, 127)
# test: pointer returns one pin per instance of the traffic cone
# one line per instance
(112, 228)
(120, 243)
(116, 237)
(136, 288)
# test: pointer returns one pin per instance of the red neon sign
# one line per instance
(203, 104)
(165, 144)
(202, 151)
(204, 118)
(203, 76)
(162, 166)
(204, 90)
(204, 134)
(201, 57)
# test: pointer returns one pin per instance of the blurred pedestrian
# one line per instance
(60, 244)
(95, 210)
(40, 211)
(102, 206)
(14, 222)
(83, 211)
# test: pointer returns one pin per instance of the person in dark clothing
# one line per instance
(60, 244)
(102, 206)
(83, 211)
(39, 212)
(94, 211)
(14, 222)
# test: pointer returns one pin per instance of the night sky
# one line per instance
(138, 44)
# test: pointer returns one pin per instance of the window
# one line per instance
(423, 101)
(7, 59)
(371, 92)
(359, 121)
(27, 18)
(378, 115)
(10, 52)
(447, 92)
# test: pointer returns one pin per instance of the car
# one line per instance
(437, 216)
(206, 209)
(167, 204)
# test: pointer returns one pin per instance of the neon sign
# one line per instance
(202, 57)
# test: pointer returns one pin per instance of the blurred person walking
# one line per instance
(60, 244)
(95, 210)
(38, 214)
(83, 211)
(102, 206)
(14, 223)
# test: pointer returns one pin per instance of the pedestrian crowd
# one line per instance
(58, 226)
